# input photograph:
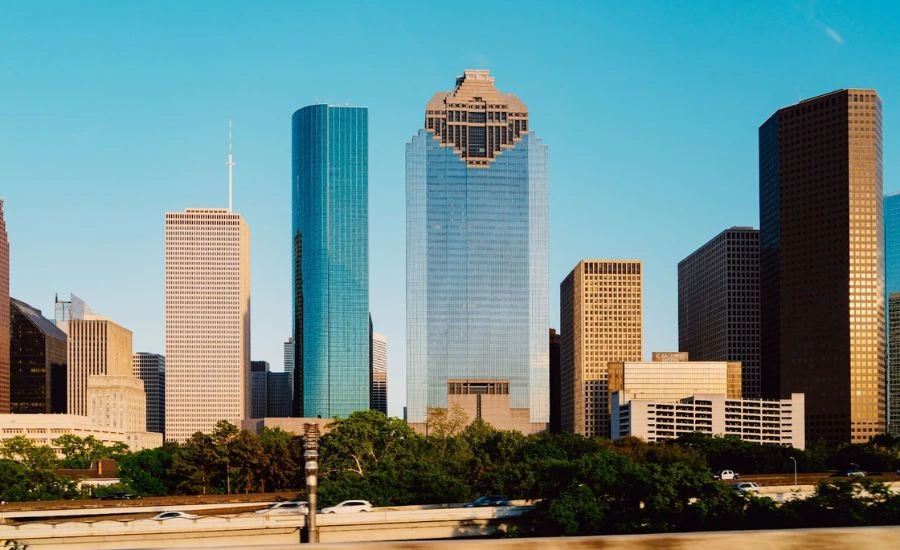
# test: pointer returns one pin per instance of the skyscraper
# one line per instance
(601, 321)
(379, 373)
(207, 320)
(891, 286)
(151, 369)
(821, 262)
(330, 154)
(37, 361)
(554, 383)
(4, 315)
(718, 303)
(96, 346)
(477, 252)
(279, 394)
(259, 386)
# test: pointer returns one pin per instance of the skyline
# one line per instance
(708, 138)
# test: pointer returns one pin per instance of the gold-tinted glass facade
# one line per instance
(822, 262)
(601, 321)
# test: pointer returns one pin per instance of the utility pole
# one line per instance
(795, 470)
(311, 458)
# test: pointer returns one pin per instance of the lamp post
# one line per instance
(795, 470)
(311, 465)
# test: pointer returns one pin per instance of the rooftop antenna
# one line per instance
(229, 164)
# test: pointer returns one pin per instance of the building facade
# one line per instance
(671, 380)
(45, 429)
(4, 315)
(259, 388)
(279, 394)
(822, 264)
(96, 346)
(477, 251)
(892, 285)
(378, 398)
(329, 187)
(37, 362)
(554, 382)
(151, 369)
(117, 402)
(893, 396)
(718, 303)
(769, 421)
(207, 320)
(601, 321)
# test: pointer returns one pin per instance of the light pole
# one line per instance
(795, 470)
(311, 458)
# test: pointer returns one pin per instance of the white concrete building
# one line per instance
(757, 420)
(43, 429)
(207, 320)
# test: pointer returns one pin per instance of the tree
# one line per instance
(147, 472)
(34, 457)
(79, 452)
(278, 448)
(444, 423)
(196, 465)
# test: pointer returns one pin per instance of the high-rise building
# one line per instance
(207, 320)
(379, 373)
(96, 346)
(330, 154)
(477, 252)
(891, 286)
(37, 360)
(4, 315)
(601, 321)
(151, 369)
(554, 382)
(288, 365)
(822, 318)
(670, 379)
(259, 388)
(279, 394)
(718, 303)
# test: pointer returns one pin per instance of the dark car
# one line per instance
(491, 500)
(120, 496)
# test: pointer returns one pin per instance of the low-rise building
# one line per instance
(43, 429)
(776, 421)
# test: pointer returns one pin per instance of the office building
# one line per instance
(601, 321)
(4, 315)
(822, 264)
(45, 429)
(891, 286)
(477, 251)
(259, 386)
(718, 302)
(330, 154)
(672, 376)
(151, 369)
(554, 382)
(96, 346)
(207, 320)
(117, 402)
(771, 421)
(37, 362)
(379, 373)
(288, 364)
(279, 394)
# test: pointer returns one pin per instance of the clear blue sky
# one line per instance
(112, 113)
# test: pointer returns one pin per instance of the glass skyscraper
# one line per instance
(330, 167)
(892, 287)
(476, 252)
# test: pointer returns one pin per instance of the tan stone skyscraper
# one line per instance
(601, 321)
(4, 315)
(207, 320)
(96, 346)
(822, 329)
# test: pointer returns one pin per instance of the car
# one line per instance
(349, 506)
(287, 507)
(490, 500)
(174, 515)
(727, 474)
(120, 496)
(745, 487)
(855, 473)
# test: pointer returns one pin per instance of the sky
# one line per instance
(113, 113)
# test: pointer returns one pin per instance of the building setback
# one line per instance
(4, 315)
(891, 286)
(151, 369)
(822, 294)
(38, 362)
(718, 303)
(329, 186)
(379, 373)
(477, 252)
(601, 321)
(207, 320)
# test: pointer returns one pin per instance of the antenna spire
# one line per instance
(230, 165)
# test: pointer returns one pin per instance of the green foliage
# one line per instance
(79, 452)
(146, 472)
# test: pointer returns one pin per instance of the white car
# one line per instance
(174, 515)
(349, 506)
(745, 487)
(289, 507)
(727, 474)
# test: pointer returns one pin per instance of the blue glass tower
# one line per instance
(477, 254)
(330, 167)
(892, 286)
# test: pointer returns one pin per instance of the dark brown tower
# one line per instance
(822, 262)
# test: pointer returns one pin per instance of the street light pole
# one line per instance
(795, 470)
(311, 458)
